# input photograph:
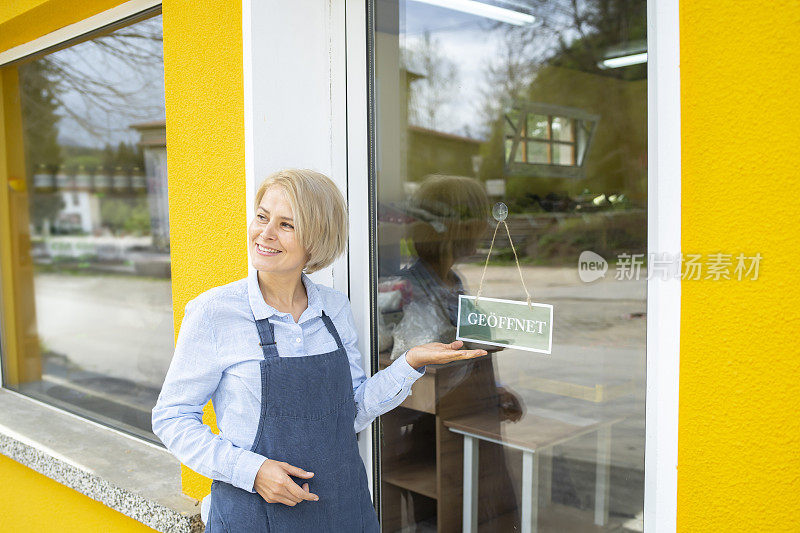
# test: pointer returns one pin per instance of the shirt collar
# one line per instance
(262, 309)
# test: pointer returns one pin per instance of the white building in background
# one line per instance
(81, 211)
(153, 140)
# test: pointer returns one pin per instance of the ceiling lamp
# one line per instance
(625, 55)
(624, 61)
(481, 9)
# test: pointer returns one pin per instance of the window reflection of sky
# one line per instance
(473, 44)
(420, 17)
(467, 41)
(133, 92)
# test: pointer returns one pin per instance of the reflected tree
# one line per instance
(74, 101)
(558, 60)
(574, 34)
(40, 136)
(103, 84)
(429, 94)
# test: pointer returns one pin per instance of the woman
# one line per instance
(277, 354)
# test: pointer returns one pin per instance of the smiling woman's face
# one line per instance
(274, 246)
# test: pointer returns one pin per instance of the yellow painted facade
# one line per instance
(32, 502)
(738, 460)
(205, 140)
(205, 135)
(739, 393)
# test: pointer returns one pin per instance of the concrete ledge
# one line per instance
(138, 479)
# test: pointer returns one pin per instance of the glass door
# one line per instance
(540, 105)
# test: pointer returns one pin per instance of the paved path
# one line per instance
(118, 326)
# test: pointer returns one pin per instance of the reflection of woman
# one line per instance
(454, 211)
(278, 356)
(452, 214)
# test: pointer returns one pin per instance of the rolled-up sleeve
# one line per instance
(381, 392)
(177, 417)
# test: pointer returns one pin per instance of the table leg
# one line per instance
(547, 471)
(530, 492)
(470, 505)
(602, 481)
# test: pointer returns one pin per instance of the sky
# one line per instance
(471, 43)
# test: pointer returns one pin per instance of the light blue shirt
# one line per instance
(217, 357)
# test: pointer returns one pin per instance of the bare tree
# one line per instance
(101, 84)
(431, 93)
(569, 33)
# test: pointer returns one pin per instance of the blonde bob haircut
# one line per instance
(320, 213)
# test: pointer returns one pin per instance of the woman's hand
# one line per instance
(275, 486)
(436, 353)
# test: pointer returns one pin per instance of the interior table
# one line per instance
(535, 436)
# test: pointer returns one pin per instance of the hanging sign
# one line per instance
(508, 323)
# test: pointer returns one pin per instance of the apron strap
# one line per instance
(267, 335)
(332, 329)
(265, 332)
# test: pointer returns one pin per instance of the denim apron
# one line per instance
(307, 414)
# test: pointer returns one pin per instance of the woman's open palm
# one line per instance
(437, 353)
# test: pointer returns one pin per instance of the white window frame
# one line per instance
(78, 29)
(295, 111)
(332, 105)
(663, 236)
(294, 98)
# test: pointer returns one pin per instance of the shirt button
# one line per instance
(298, 339)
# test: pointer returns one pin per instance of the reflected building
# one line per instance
(153, 141)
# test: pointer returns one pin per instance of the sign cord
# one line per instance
(516, 260)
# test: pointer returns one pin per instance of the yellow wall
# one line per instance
(32, 502)
(205, 156)
(205, 151)
(739, 432)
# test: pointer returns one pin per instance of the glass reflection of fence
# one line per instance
(125, 255)
(89, 247)
(96, 180)
(558, 238)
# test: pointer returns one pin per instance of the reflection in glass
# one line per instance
(563, 154)
(562, 129)
(471, 111)
(537, 152)
(92, 267)
(537, 127)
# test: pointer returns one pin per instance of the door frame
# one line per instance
(663, 236)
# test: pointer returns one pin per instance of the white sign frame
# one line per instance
(514, 302)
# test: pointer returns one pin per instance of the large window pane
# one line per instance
(91, 269)
(472, 110)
